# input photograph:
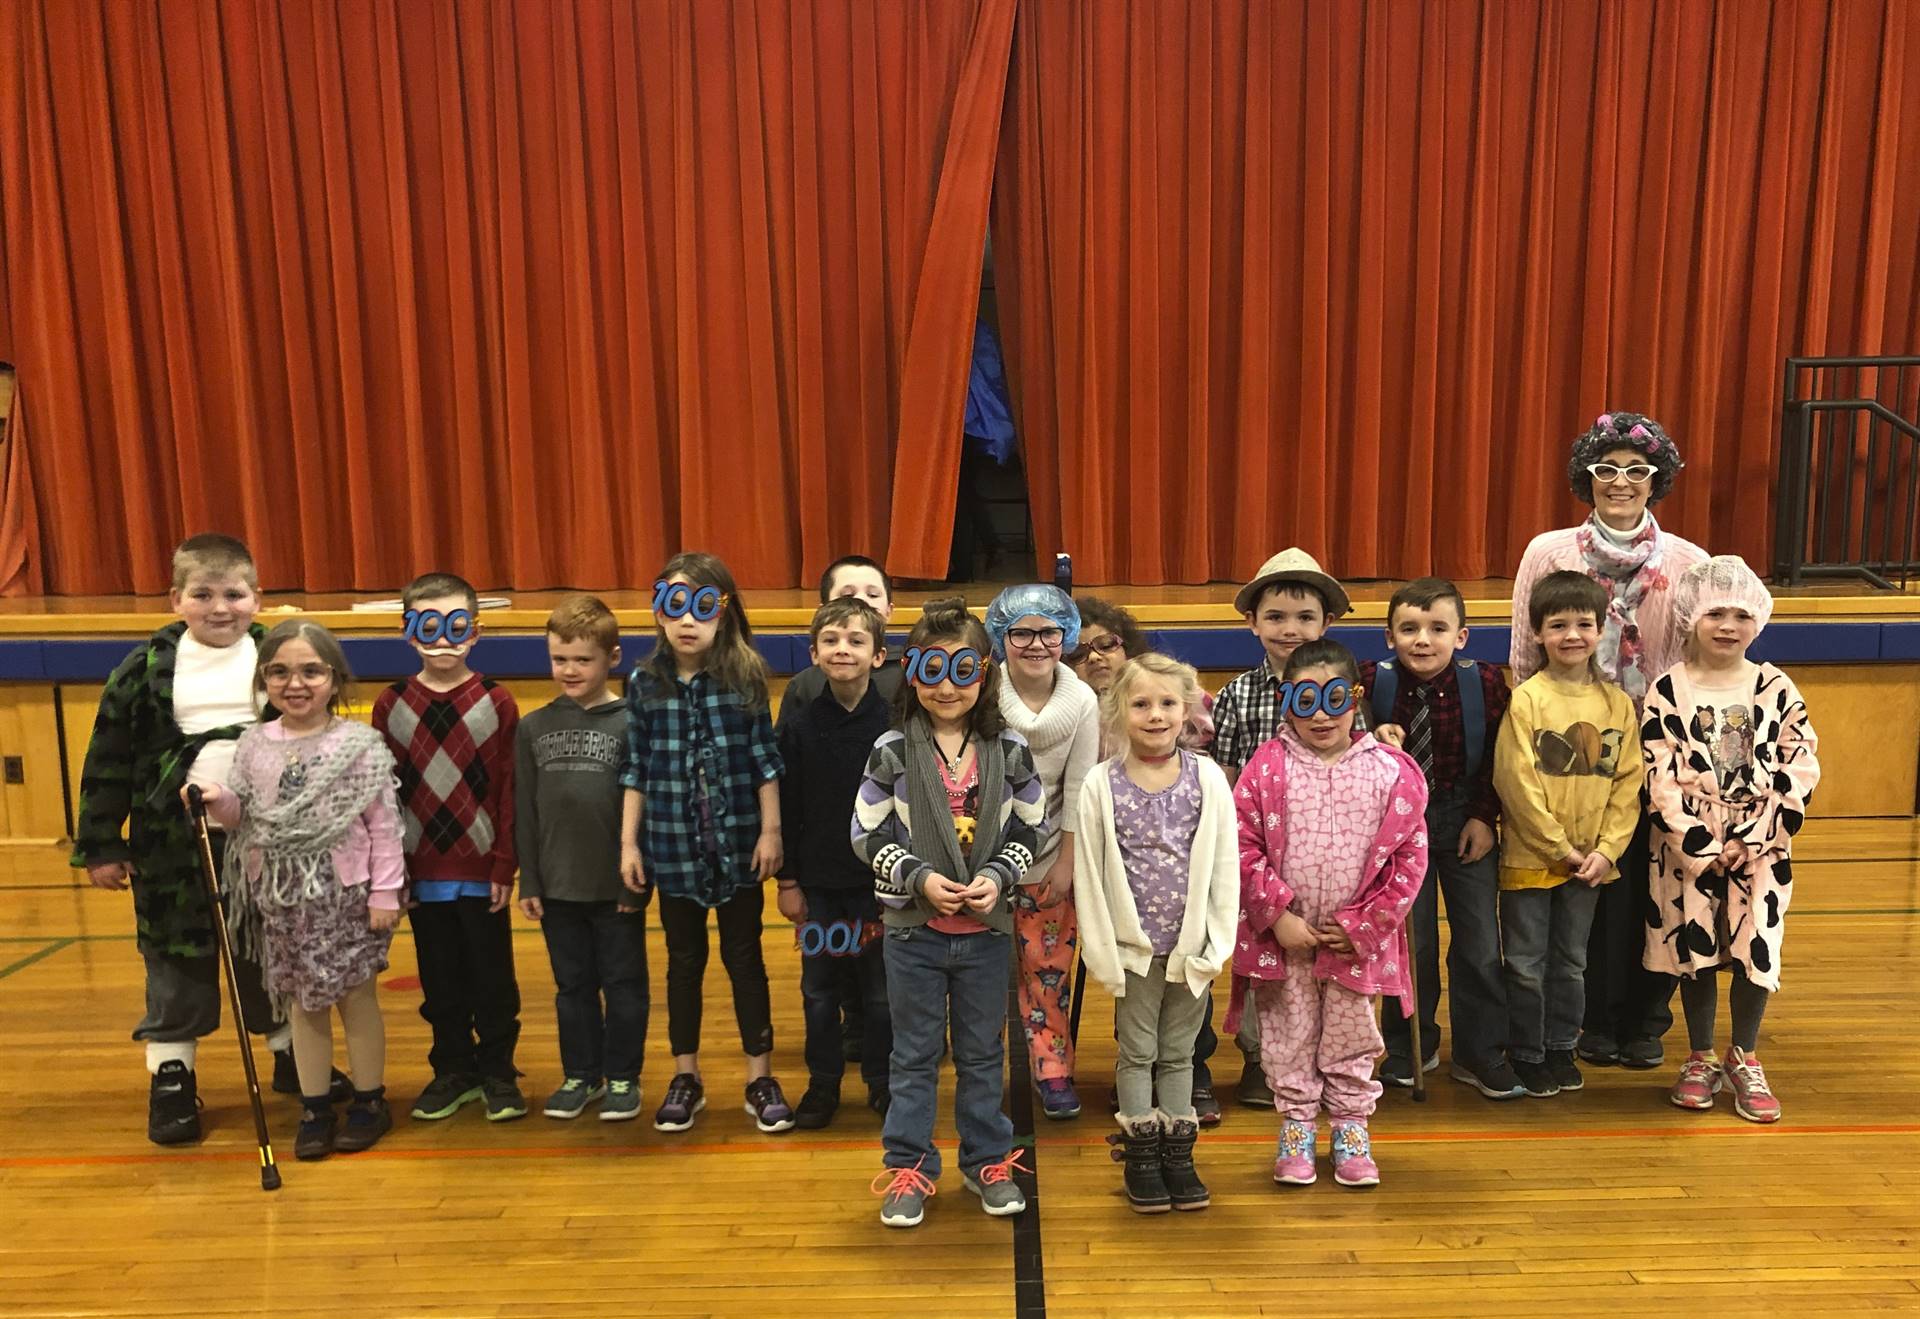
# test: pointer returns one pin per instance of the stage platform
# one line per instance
(1855, 653)
(77, 638)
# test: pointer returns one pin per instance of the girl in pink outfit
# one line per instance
(314, 835)
(1333, 849)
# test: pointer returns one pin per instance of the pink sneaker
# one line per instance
(1700, 1080)
(1294, 1164)
(1752, 1096)
(1353, 1163)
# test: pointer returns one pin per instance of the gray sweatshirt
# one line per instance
(567, 800)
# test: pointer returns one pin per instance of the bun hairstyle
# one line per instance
(325, 645)
(1324, 653)
(1624, 430)
(944, 622)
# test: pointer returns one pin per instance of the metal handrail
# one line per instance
(1830, 545)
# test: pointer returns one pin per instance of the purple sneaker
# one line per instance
(685, 1097)
(1353, 1163)
(1058, 1099)
(1293, 1165)
(768, 1106)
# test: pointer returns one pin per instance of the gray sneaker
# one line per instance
(905, 1192)
(622, 1103)
(572, 1098)
(999, 1196)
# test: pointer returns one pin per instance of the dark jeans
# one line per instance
(684, 922)
(1477, 1001)
(824, 981)
(468, 993)
(598, 953)
(1546, 939)
(1625, 1001)
(933, 978)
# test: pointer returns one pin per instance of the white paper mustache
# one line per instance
(444, 650)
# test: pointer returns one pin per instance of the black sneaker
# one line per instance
(1537, 1078)
(317, 1127)
(1642, 1054)
(1205, 1106)
(1600, 1050)
(880, 1098)
(504, 1100)
(1565, 1074)
(1399, 1071)
(173, 1105)
(685, 1097)
(367, 1120)
(1498, 1081)
(817, 1107)
(1253, 1090)
(769, 1106)
(444, 1095)
(286, 1078)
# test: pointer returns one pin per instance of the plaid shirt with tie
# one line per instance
(1447, 770)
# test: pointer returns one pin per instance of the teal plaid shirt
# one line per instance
(699, 755)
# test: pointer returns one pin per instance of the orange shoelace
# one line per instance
(1003, 1170)
(900, 1181)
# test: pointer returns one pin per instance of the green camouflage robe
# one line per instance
(137, 761)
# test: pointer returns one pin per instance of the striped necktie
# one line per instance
(1420, 728)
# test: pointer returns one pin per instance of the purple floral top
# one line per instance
(1155, 832)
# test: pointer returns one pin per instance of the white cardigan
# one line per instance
(1112, 940)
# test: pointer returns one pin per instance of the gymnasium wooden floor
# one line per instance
(1605, 1201)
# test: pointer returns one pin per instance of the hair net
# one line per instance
(1033, 600)
(1723, 581)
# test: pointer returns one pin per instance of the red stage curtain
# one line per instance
(1351, 276)
(537, 292)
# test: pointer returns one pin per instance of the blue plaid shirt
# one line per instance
(699, 755)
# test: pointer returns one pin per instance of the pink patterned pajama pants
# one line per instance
(1318, 1044)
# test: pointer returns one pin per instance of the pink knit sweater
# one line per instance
(1552, 551)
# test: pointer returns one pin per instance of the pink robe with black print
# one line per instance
(1374, 917)
(1705, 917)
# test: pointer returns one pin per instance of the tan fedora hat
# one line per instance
(1294, 565)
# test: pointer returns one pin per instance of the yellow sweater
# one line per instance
(1567, 767)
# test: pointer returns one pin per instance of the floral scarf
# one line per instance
(1628, 572)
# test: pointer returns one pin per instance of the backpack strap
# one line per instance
(1473, 713)
(1386, 685)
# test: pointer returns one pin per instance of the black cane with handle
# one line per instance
(269, 1171)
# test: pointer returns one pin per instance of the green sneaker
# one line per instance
(622, 1103)
(444, 1095)
(504, 1100)
(572, 1098)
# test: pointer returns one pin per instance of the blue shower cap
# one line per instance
(1033, 600)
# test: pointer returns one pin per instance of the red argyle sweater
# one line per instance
(455, 753)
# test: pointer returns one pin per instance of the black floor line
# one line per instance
(1029, 1271)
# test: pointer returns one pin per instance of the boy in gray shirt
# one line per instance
(567, 807)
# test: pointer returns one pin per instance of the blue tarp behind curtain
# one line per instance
(989, 421)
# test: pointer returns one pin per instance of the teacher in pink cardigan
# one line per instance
(1623, 465)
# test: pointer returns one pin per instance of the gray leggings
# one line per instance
(1700, 999)
(1156, 1022)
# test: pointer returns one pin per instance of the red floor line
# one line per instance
(248, 1155)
